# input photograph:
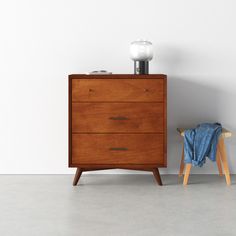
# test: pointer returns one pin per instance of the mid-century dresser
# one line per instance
(117, 121)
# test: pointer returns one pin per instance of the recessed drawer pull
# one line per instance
(118, 118)
(146, 90)
(118, 149)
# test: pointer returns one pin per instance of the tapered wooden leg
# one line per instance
(77, 176)
(187, 172)
(157, 176)
(181, 169)
(224, 160)
(218, 161)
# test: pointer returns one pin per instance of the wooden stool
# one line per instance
(221, 157)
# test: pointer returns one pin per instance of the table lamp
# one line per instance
(141, 52)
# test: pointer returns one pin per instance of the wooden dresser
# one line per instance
(117, 121)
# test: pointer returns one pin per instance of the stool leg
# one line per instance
(187, 172)
(218, 161)
(224, 160)
(181, 169)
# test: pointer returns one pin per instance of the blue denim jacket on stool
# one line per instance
(201, 142)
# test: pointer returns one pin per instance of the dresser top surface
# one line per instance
(118, 76)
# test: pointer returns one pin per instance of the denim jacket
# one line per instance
(201, 142)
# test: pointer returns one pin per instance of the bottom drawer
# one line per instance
(117, 149)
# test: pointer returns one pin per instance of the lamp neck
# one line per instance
(141, 67)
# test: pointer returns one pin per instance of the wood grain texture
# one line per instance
(114, 90)
(187, 173)
(118, 76)
(144, 167)
(181, 168)
(218, 161)
(165, 121)
(224, 160)
(117, 149)
(117, 117)
(118, 121)
(69, 122)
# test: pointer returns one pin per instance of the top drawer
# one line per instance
(117, 90)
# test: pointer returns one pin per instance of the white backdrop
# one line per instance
(42, 41)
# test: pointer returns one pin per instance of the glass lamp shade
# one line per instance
(141, 50)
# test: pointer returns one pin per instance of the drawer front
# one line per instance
(117, 117)
(117, 90)
(117, 149)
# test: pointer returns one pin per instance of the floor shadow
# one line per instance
(120, 179)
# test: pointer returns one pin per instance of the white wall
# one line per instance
(42, 41)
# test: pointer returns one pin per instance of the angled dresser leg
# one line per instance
(218, 161)
(157, 176)
(77, 176)
(181, 169)
(224, 160)
(187, 172)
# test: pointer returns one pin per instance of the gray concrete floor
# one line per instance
(116, 205)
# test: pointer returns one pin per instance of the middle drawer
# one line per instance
(117, 118)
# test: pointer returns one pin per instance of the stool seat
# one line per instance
(225, 133)
(221, 157)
